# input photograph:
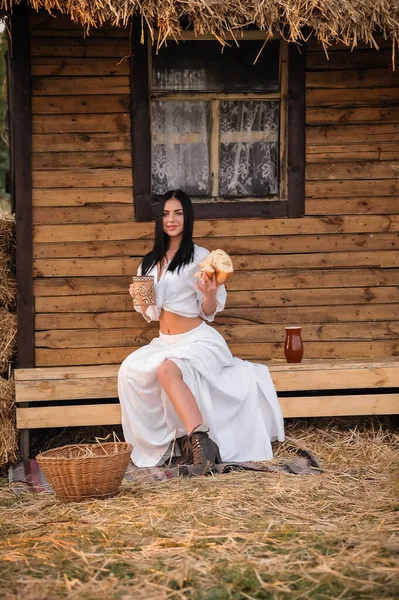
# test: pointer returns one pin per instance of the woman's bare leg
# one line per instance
(180, 395)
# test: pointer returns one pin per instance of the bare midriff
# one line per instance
(172, 324)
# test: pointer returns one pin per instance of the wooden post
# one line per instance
(21, 132)
(140, 122)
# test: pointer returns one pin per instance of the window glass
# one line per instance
(213, 146)
(208, 66)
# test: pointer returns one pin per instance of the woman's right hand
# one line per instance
(131, 289)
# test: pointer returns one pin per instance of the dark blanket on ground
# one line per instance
(28, 475)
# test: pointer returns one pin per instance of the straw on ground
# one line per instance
(236, 536)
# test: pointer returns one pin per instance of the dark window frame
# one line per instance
(292, 206)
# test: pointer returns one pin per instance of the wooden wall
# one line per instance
(335, 271)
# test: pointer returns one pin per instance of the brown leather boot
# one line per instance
(186, 455)
(205, 452)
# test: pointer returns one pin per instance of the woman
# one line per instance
(186, 385)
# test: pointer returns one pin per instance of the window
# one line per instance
(214, 122)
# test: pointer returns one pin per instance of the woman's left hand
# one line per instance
(207, 285)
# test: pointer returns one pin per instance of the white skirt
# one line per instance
(236, 398)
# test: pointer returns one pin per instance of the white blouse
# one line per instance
(177, 293)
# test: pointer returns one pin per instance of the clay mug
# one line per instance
(143, 290)
(293, 347)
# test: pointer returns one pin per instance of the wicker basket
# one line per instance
(80, 471)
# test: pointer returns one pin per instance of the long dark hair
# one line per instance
(185, 253)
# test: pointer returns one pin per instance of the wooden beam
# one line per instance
(50, 311)
(343, 406)
(263, 352)
(307, 375)
(86, 267)
(113, 334)
(79, 104)
(66, 373)
(309, 406)
(106, 371)
(82, 178)
(235, 36)
(67, 86)
(219, 227)
(82, 123)
(68, 416)
(286, 379)
(140, 122)
(20, 108)
(118, 203)
(235, 209)
(296, 131)
(67, 389)
(281, 279)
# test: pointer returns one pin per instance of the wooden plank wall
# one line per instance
(335, 271)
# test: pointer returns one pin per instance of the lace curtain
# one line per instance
(248, 162)
(248, 151)
(180, 147)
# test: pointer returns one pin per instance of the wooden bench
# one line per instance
(63, 396)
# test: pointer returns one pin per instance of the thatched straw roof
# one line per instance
(349, 21)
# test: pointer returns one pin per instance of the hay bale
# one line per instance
(7, 230)
(7, 261)
(8, 431)
(8, 332)
(7, 240)
(8, 288)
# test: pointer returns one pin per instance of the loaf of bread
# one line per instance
(218, 263)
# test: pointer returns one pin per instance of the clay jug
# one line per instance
(293, 347)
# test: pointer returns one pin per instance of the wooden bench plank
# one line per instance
(327, 365)
(305, 379)
(58, 383)
(42, 374)
(348, 405)
(68, 416)
(109, 414)
(67, 389)
(335, 379)
(86, 372)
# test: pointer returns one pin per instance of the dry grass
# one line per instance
(8, 432)
(236, 536)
